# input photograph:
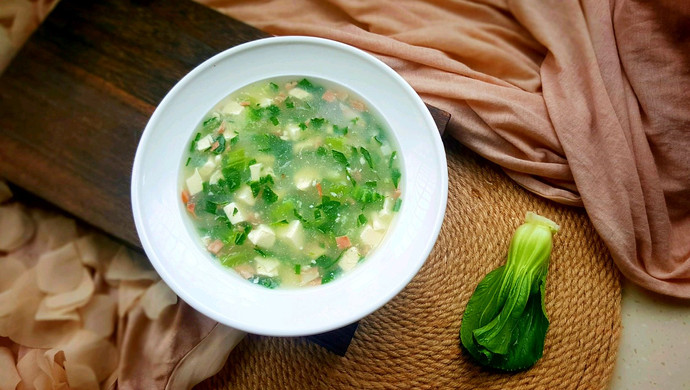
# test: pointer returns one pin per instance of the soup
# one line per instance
(291, 181)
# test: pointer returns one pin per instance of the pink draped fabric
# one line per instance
(585, 103)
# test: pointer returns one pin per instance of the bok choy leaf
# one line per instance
(505, 322)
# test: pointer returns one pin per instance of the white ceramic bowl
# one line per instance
(173, 247)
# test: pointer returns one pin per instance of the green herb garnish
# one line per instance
(317, 122)
(367, 157)
(340, 158)
(396, 206)
(395, 176)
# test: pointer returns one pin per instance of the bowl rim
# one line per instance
(273, 330)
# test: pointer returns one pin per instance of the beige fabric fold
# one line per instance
(584, 103)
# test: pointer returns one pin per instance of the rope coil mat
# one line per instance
(412, 342)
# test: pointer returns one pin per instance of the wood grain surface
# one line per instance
(75, 100)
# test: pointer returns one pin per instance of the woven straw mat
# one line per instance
(412, 342)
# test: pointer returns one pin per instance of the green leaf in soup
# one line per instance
(395, 176)
(211, 124)
(391, 160)
(325, 262)
(196, 139)
(290, 104)
(269, 196)
(255, 187)
(265, 281)
(367, 157)
(221, 144)
(340, 130)
(317, 122)
(232, 178)
(340, 158)
(305, 84)
(505, 322)
(330, 275)
(274, 86)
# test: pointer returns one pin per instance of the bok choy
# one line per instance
(505, 322)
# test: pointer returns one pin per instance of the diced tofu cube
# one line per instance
(232, 108)
(293, 132)
(348, 113)
(386, 150)
(265, 102)
(204, 143)
(381, 221)
(370, 237)
(235, 215)
(299, 93)
(262, 236)
(255, 170)
(217, 159)
(294, 234)
(194, 183)
(228, 135)
(266, 266)
(206, 169)
(349, 258)
(387, 206)
(305, 178)
(308, 274)
(244, 194)
(215, 177)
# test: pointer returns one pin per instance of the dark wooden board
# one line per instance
(75, 100)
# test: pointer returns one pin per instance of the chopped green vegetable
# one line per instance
(289, 103)
(306, 84)
(392, 159)
(367, 157)
(505, 322)
(274, 120)
(317, 122)
(396, 206)
(298, 269)
(330, 275)
(395, 176)
(265, 281)
(211, 123)
(269, 196)
(196, 139)
(340, 130)
(274, 86)
(256, 188)
(376, 138)
(233, 178)
(221, 145)
(340, 158)
(302, 126)
(325, 262)
(361, 220)
(188, 160)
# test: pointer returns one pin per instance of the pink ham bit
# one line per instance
(290, 85)
(329, 96)
(357, 105)
(244, 103)
(215, 246)
(343, 242)
(280, 97)
(245, 270)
